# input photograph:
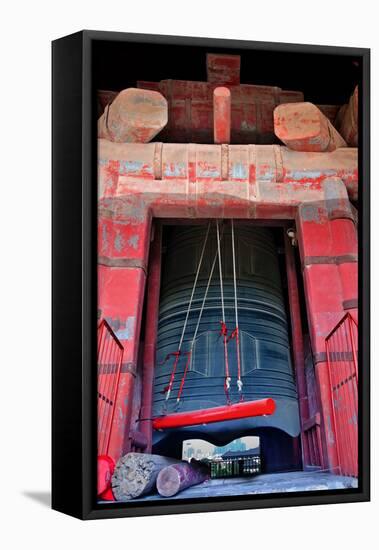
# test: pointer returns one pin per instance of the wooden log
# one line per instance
(349, 120)
(303, 127)
(177, 477)
(134, 116)
(136, 473)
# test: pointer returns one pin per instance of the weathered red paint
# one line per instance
(121, 284)
(134, 115)
(105, 469)
(223, 69)
(327, 241)
(195, 181)
(265, 164)
(303, 127)
(341, 350)
(297, 343)
(344, 234)
(109, 360)
(217, 414)
(190, 104)
(221, 115)
(152, 309)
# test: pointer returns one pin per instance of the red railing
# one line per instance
(109, 359)
(342, 352)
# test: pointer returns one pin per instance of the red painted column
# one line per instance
(297, 342)
(152, 310)
(221, 114)
(122, 260)
(345, 241)
(324, 299)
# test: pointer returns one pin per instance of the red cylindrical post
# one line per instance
(244, 409)
(152, 309)
(297, 341)
(221, 114)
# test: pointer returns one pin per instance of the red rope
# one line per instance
(168, 388)
(188, 353)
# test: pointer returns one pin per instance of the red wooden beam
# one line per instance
(297, 342)
(245, 409)
(221, 115)
(152, 312)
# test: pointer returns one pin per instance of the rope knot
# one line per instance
(233, 334)
(224, 329)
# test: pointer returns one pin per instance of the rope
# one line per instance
(235, 333)
(188, 353)
(220, 270)
(194, 286)
(198, 322)
(224, 330)
(205, 294)
(178, 353)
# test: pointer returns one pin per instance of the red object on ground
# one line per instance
(105, 469)
(107, 495)
(221, 114)
(216, 414)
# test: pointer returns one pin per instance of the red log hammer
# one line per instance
(216, 414)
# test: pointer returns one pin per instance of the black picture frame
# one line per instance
(75, 285)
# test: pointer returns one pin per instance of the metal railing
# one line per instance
(342, 352)
(109, 359)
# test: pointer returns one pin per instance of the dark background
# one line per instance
(324, 78)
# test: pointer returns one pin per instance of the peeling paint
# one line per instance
(238, 171)
(310, 213)
(329, 431)
(127, 333)
(133, 241)
(119, 241)
(134, 166)
(104, 236)
(174, 170)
